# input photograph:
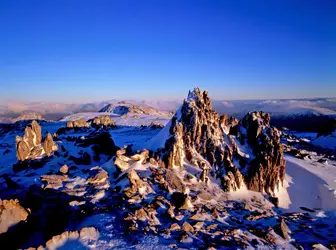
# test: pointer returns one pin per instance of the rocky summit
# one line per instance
(199, 136)
(202, 181)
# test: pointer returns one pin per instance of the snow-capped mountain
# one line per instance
(126, 108)
(238, 108)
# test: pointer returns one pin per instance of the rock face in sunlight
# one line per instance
(195, 131)
(200, 136)
(30, 145)
(103, 120)
(78, 124)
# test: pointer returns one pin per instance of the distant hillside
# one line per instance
(123, 108)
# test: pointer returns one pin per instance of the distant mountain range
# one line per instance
(281, 108)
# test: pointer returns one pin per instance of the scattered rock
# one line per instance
(54, 181)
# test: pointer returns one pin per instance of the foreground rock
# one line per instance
(30, 145)
(11, 213)
(83, 237)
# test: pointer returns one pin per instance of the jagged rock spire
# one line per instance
(200, 136)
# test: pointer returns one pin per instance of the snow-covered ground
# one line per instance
(328, 141)
(308, 184)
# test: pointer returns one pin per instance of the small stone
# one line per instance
(174, 227)
(11, 213)
(199, 225)
(64, 169)
(187, 227)
(283, 229)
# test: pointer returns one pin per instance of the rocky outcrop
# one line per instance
(210, 142)
(30, 145)
(153, 125)
(103, 120)
(78, 124)
(267, 169)
(121, 160)
(11, 213)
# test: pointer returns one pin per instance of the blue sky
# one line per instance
(73, 51)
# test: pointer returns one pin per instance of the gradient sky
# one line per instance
(73, 51)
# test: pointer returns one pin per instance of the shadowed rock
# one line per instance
(48, 145)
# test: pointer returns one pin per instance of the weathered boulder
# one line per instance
(283, 229)
(11, 213)
(81, 123)
(122, 161)
(64, 169)
(22, 149)
(134, 187)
